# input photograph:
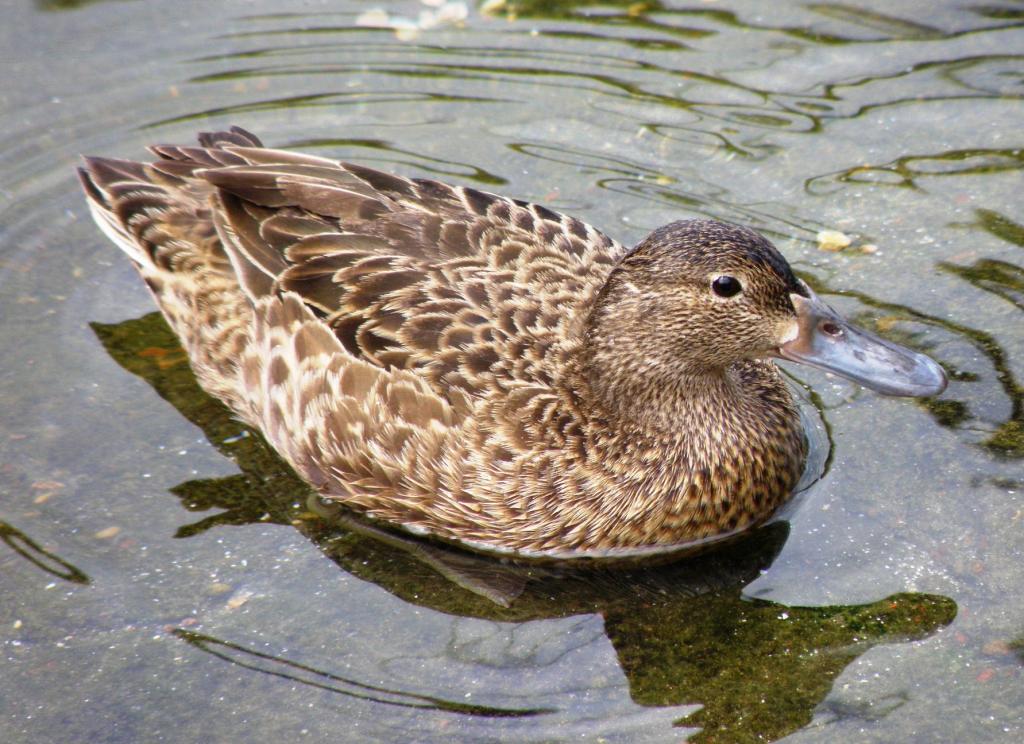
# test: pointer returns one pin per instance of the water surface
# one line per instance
(165, 577)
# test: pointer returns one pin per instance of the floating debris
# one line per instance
(374, 18)
(407, 29)
(493, 7)
(238, 599)
(833, 241)
(869, 248)
(238, 437)
(106, 534)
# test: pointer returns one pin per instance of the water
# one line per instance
(164, 578)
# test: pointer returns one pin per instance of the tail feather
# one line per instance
(212, 152)
(111, 170)
(234, 136)
(197, 157)
(103, 214)
(158, 212)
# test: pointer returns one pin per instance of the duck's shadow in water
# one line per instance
(683, 632)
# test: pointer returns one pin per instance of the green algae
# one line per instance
(760, 669)
(1001, 226)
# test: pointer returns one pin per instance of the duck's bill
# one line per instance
(828, 341)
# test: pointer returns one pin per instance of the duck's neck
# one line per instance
(667, 401)
(696, 453)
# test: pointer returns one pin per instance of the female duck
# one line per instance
(481, 369)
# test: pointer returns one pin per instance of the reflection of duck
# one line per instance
(482, 369)
(761, 674)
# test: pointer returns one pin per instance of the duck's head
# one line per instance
(700, 295)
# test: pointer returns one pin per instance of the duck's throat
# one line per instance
(703, 454)
(738, 420)
(669, 401)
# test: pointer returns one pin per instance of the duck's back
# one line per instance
(470, 289)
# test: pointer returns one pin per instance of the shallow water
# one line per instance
(165, 578)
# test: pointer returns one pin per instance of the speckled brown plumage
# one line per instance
(462, 364)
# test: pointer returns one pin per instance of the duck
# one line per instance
(483, 370)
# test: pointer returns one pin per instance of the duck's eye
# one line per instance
(726, 286)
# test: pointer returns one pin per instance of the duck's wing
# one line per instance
(468, 288)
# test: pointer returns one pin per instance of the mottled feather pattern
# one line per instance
(423, 353)
(332, 416)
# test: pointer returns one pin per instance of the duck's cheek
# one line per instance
(769, 339)
(786, 331)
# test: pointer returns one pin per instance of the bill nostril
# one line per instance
(831, 329)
